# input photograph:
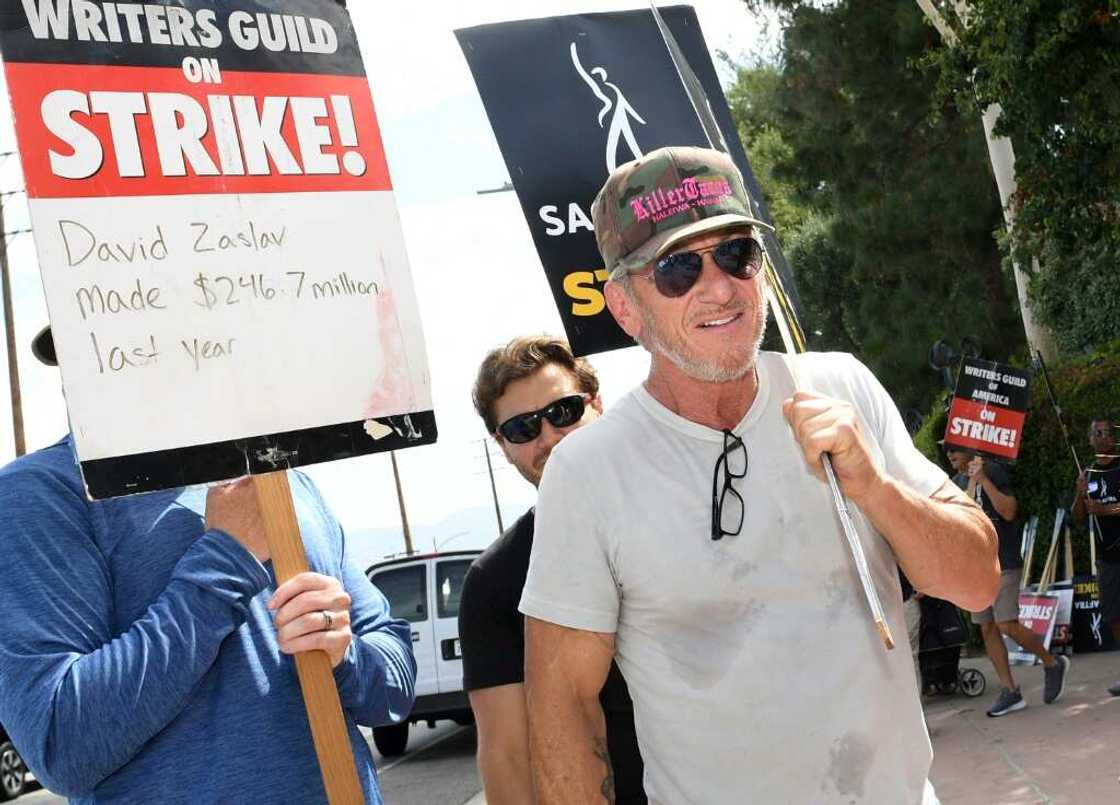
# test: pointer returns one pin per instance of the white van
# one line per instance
(425, 590)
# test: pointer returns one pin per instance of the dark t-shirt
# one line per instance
(1010, 531)
(492, 633)
(1104, 487)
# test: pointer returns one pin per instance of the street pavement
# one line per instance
(438, 769)
(441, 771)
(1046, 754)
(1066, 752)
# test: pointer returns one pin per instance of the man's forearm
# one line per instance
(1104, 509)
(945, 545)
(568, 740)
(1078, 508)
(1006, 505)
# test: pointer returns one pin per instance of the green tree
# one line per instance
(889, 201)
(752, 100)
(1054, 67)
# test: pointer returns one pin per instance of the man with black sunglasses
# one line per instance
(691, 536)
(530, 394)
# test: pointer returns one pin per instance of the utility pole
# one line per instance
(1002, 157)
(493, 487)
(400, 502)
(10, 333)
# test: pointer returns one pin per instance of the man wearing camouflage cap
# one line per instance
(690, 535)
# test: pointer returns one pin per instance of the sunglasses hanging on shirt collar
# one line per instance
(728, 508)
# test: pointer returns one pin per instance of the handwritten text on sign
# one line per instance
(217, 234)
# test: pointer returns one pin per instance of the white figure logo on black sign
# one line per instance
(622, 113)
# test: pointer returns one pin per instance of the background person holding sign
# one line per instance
(988, 483)
(690, 534)
(144, 641)
(1097, 498)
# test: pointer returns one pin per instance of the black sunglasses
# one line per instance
(560, 413)
(734, 506)
(674, 274)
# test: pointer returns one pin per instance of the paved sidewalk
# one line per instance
(1067, 752)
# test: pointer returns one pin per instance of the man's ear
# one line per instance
(622, 307)
(597, 404)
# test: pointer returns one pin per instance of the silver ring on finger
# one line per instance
(328, 620)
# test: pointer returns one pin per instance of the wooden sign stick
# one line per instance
(320, 695)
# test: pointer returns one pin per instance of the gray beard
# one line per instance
(705, 371)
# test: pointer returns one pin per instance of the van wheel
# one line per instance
(391, 740)
(13, 774)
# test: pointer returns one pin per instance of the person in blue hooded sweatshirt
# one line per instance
(145, 646)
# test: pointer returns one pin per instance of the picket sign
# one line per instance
(1053, 626)
(219, 243)
(1030, 532)
(1061, 537)
(1092, 547)
(1061, 641)
(316, 678)
(659, 66)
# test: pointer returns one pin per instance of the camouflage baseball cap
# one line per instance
(667, 196)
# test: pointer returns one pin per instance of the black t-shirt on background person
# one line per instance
(1104, 487)
(1010, 531)
(492, 635)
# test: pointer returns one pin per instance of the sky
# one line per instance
(441, 151)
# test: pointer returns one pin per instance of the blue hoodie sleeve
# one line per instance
(377, 678)
(79, 698)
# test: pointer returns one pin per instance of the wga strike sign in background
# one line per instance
(217, 233)
(989, 409)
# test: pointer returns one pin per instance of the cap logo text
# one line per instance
(664, 203)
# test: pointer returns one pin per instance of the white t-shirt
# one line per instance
(756, 670)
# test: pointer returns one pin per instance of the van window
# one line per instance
(407, 591)
(449, 586)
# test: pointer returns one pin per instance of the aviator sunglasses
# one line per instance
(674, 274)
(560, 413)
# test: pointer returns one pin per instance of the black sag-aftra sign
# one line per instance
(571, 98)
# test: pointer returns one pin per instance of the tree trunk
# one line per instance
(1039, 337)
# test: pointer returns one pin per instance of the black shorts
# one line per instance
(1108, 576)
